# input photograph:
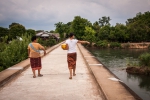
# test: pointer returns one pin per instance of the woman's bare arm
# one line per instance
(83, 42)
(28, 52)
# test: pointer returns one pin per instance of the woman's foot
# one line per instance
(34, 76)
(70, 77)
(74, 74)
(40, 75)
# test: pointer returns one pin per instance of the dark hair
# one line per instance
(33, 38)
(71, 34)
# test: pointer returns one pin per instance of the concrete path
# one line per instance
(55, 84)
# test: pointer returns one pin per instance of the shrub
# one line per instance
(2, 46)
(144, 59)
(14, 52)
(115, 45)
(102, 44)
(47, 42)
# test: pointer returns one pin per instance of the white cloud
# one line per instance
(43, 14)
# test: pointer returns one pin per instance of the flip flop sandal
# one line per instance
(70, 77)
(40, 75)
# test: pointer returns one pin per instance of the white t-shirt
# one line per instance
(72, 45)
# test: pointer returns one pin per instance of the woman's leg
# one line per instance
(70, 70)
(74, 71)
(39, 64)
(39, 73)
(34, 76)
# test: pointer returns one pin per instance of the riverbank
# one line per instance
(142, 45)
(138, 70)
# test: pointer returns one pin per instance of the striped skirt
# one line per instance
(71, 59)
(35, 63)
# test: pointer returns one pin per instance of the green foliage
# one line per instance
(115, 45)
(47, 42)
(96, 27)
(89, 35)
(30, 32)
(1, 68)
(145, 59)
(102, 44)
(131, 63)
(2, 46)
(121, 33)
(4, 39)
(16, 30)
(78, 26)
(104, 21)
(14, 52)
(104, 33)
(139, 27)
(3, 32)
(13, 24)
(52, 31)
(60, 28)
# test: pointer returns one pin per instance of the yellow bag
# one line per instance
(64, 46)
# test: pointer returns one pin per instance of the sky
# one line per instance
(43, 14)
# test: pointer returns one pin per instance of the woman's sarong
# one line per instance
(35, 63)
(71, 58)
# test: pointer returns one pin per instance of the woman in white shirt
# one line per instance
(72, 55)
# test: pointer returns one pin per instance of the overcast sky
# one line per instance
(43, 14)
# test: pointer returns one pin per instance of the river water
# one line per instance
(116, 60)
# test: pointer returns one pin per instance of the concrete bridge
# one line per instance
(93, 81)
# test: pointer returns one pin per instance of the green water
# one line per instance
(116, 61)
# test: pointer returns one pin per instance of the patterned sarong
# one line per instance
(71, 58)
(35, 63)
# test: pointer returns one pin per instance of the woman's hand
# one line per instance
(87, 42)
(44, 52)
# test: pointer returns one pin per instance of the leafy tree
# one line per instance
(78, 26)
(139, 27)
(112, 36)
(89, 35)
(30, 32)
(16, 30)
(68, 27)
(3, 31)
(52, 31)
(104, 33)
(121, 33)
(96, 27)
(104, 21)
(60, 27)
(12, 24)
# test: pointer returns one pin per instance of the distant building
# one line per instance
(46, 35)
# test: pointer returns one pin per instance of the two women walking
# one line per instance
(35, 59)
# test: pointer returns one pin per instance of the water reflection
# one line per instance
(116, 60)
(143, 81)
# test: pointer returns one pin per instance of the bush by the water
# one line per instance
(143, 67)
(145, 59)
(102, 44)
(115, 45)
